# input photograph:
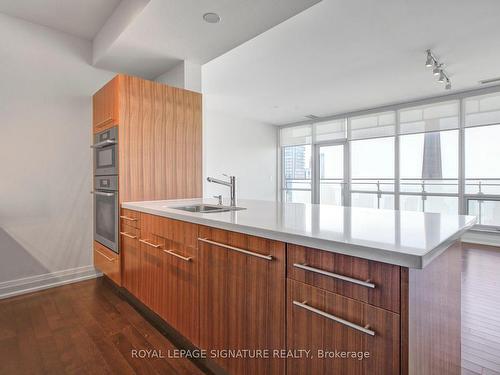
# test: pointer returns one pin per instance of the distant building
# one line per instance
(295, 166)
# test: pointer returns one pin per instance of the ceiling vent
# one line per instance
(491, 80)
(311, 117)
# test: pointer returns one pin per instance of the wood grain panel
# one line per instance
(180, 298)
(131, 259)
(386, 277)
(433, 315)
(308, 330)
(178, 281)
(105, 107)
(160, 141)
(130, 217)
(175, 230)
(108, 262)
(242, 299)
(150, 283)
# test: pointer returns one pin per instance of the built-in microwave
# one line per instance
(106, 152)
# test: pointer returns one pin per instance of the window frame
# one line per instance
(463, 197)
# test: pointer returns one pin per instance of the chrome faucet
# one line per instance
(231, 184)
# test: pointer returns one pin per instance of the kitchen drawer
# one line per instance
(368, 281)
(322, 322)
(130, 218)
(174, 230)
(107, 261)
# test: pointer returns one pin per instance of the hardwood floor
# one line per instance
(82, 328)
(480, 310)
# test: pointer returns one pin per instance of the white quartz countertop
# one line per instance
(405, 238)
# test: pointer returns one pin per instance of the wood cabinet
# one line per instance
(108, 262)
(168, 271)
(131, 259)
(159, 142)
(105, 107)
(323, 313)
(326, 323)
(151, 275)
(365, 280)
(242, 298)
(180, 293)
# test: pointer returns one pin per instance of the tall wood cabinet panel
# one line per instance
(242, 299)
(160, 141)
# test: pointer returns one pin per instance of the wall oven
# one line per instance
(106, 211)
(106, 152)
(106, 203)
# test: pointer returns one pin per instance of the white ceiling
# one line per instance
(341, 56)
(82, 18)
(169, 31)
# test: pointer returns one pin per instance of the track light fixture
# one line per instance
(437, 69)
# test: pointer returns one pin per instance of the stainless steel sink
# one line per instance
(207, 208)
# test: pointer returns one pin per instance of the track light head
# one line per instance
(442, 77)
(436, 70)
(430, 60)
(448, 85)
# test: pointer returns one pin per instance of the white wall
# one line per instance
(240, 147)
(45, 160)
(185, 75)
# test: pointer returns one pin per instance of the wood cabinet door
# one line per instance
(150, 281)
(180, 297)
(242, 293)
(337, 331)
(105, 106)
(131, 259)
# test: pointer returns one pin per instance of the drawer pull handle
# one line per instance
(171, 252)
(105, 256)
(149, 243)
(128, 235)
(266, 257)
(334, 275)
(128, 218)
(365, 329)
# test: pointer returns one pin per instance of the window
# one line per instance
(482, 159)
(446, 163)
(372, 172)
(297, 174)
(331, 174)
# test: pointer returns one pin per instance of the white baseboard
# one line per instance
(482, 238)
(49, 280)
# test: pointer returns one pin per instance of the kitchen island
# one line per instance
(321, 282)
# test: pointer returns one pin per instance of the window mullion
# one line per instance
(397, 177)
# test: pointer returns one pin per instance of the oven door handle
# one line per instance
(103, 193)
(105, 143)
